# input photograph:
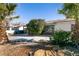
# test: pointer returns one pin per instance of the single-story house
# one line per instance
(11, 29)
(57, 25)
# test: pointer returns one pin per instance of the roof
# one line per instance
(17, 25)
(58, 21)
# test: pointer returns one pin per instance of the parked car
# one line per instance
(19, 32)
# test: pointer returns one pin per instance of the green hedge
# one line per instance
(60, 37)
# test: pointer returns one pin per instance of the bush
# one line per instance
(60, 38)
(35, 26)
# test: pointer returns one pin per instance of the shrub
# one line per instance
(60, 37)
(35, 26)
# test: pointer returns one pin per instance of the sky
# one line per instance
(46, 11)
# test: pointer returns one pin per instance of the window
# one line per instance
(49, 29)
(72, 27)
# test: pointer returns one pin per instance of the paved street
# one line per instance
(36, 38)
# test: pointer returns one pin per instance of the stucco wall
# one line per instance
(66, 26)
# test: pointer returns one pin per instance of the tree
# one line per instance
(35, 26)
(71, 10)
(6, 14)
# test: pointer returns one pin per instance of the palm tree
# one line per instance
(6, 14)
(71, 10)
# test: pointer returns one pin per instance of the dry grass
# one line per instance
(24, 50)
(14, 50)
(32, 50)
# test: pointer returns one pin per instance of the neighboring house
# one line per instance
(57, 25)
(11, 29)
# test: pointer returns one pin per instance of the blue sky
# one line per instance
(47, 11)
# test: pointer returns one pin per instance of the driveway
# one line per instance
(35, 38)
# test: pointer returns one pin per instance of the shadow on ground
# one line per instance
(20, 40)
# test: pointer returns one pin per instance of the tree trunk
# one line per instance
(75, 36)
(3, 35)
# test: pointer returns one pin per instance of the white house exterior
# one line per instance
(15, 27)
(65, 25)
(10, 31)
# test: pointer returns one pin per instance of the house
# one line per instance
(12, 28)
(57, 25)
(51, 26)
